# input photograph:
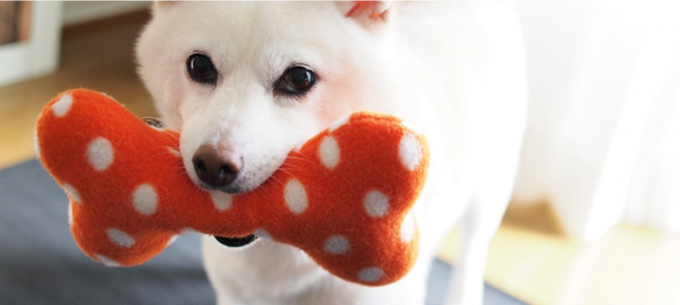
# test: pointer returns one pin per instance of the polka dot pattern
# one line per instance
(329, 152)
(410, 152)
(337, 244)
(341, 197)
(187, 231)
(339, 123)
(61, 107)
(145, 199)
(221, 200)
(107, 261)
(172, 239)
(408, 228)
(376, 204)
(295, 196)
(70, 214)
(371, 274)
(119, 237)
(72, 192)
(262, 233)
(100, 154)
(36, 146)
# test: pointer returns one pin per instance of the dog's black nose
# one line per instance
(216, 167)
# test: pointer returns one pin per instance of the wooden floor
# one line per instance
(529, 258)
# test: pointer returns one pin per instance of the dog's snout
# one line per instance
(216, 167)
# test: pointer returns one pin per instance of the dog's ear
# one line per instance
(162, 5)
(366, 13)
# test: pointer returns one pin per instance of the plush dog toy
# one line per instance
(344, 197)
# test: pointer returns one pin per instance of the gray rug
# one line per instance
(41, 264)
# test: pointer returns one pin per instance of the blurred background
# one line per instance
(596, 212)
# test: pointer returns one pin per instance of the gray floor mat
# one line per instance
(41, 264)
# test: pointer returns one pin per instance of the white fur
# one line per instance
(455, 71)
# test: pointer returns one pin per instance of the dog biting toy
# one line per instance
(344, 197)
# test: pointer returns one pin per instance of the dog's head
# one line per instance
(247, 82)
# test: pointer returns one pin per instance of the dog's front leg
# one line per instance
(478, 226)
(222, 301)
(467, 282)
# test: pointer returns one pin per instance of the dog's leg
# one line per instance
(222, 301)
(479, 224)
(466, 286)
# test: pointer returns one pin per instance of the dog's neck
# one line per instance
(282, 272)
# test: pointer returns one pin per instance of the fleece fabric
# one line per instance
(344, 197)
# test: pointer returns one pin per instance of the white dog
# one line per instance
(247, 82)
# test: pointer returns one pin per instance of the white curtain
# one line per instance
(603, 141)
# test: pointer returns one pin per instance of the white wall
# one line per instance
(40, 54)
(82, 11)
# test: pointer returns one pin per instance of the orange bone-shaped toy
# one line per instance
(344, 196)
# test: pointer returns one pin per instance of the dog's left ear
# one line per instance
(366, 13)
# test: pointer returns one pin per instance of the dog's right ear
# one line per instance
(366, 13)
(162, 5)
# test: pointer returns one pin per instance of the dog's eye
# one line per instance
(201, 69)
(296, 81)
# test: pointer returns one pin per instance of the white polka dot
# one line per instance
(329, 152)
(172, 240)
(61, 107)
(262, 233)
(107, 261)
(408, 228)
(371, 274)
(295, 196)
(36, 145)
(187, 231)
(336, 244)
(100, 153)
(72, 192)
(376, 203)
(338, 123)
(221, 200)
(145, 199)
(120, 238)
(70, 214)
(410, 152)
